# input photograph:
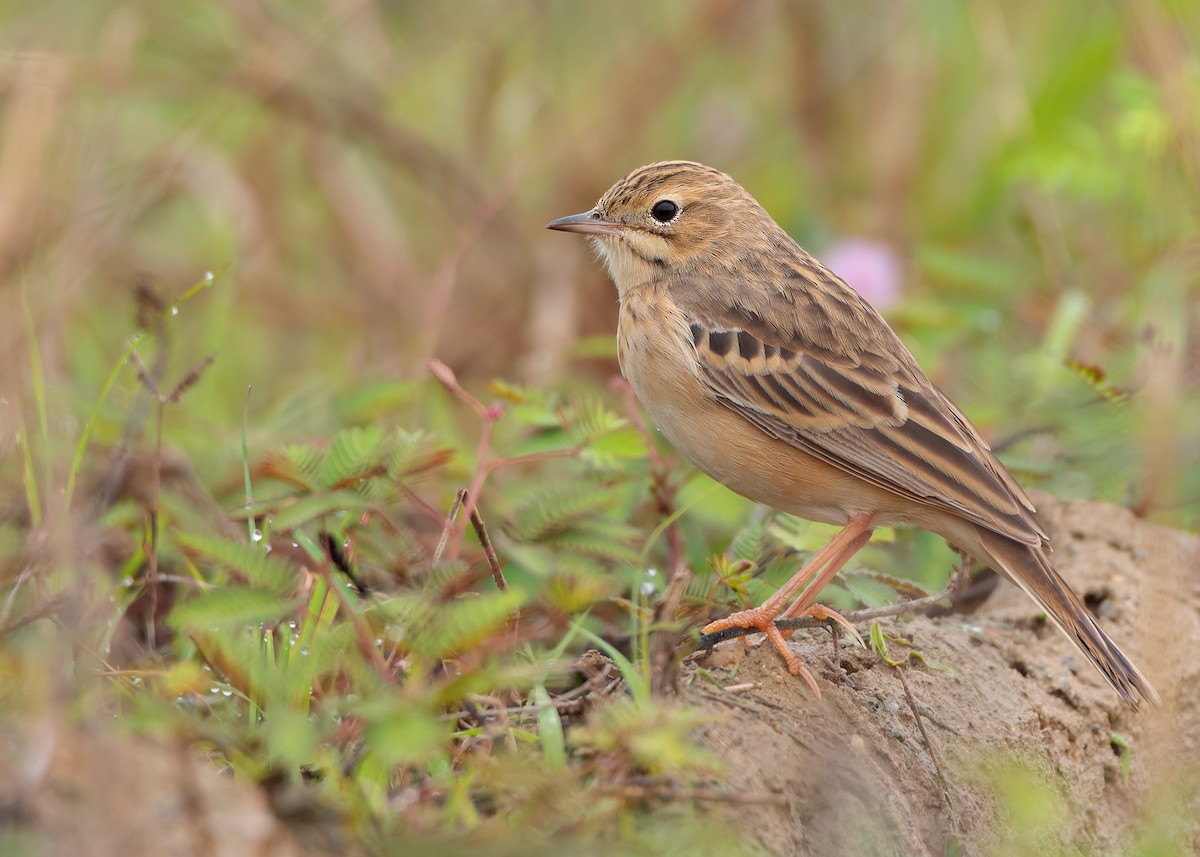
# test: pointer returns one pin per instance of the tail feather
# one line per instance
(1030, 568)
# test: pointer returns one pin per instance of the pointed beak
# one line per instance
(588, 223)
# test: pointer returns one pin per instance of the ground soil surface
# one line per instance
(1011, 702)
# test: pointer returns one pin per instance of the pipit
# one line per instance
(777, 379)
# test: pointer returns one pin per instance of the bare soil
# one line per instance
(859, 777)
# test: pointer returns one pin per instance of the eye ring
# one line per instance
(664, 211)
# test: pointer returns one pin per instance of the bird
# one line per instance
(777, 379)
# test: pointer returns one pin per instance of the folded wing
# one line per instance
(855, 398)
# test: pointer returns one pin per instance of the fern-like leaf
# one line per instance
(304, 509)
(554, 509)
(589, 419)
(464, 624)
(353, 454)
(297, 464)
(259, 568)
(416, 454)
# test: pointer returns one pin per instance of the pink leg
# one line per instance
(832, 557)
(801, 605)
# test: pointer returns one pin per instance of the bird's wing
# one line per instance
(848, 392)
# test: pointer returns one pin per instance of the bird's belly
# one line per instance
(734, 452)
(739, 456)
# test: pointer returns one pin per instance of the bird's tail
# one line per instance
(1031, 569)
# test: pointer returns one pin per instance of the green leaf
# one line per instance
(801, 535)
(292, 738)
(656, 738)
(554, 747)
(229, 606)
(868, 591)
(554, 509)
(546, 440)
(464, 624)
(260, 568)
(590, 419)
(353, 453)
(903, 586)
(307, 508)
(297, 464)
(750, 543)
(416, 453)
(624, 442)
(329, 652)
(711, 502)
(604, 540)
(879, 645)
(973, 273)
(400, 732)
(1076, 75)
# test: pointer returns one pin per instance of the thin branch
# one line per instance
(446, 377)
(933, 755)
(532, 457)
(663, 644)
(460, 497)
(417, 500)
(452, 538)
(481, 473)
(490, 552)
(39, 611)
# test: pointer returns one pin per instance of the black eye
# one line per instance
(664, 211)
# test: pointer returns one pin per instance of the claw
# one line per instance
(821, 612)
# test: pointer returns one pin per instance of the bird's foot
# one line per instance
(822, 613)
(763, 620)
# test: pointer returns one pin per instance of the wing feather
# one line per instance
(873, 414)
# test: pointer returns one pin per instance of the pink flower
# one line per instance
(870, 267)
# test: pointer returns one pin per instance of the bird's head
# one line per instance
(667, 217)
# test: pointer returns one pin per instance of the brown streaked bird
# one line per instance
(775, 378)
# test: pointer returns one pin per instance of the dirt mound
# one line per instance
(1023, 732)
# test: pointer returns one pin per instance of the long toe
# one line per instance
(822, 613)
(763, 621)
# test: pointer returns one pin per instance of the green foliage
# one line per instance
(648, 740)
(283, 669)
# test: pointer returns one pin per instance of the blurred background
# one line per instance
(1014, 185)
(321, 196)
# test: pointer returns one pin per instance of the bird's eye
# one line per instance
(664, 211)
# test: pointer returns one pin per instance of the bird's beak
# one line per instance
(588, 223)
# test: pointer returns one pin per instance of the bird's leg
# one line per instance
(805, 605)
(832, 557)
